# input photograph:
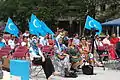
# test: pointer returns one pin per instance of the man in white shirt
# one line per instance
(44, 41)
(11, 43)
(26, 34)
(97, 42)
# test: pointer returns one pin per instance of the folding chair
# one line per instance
(48, 52)
(34, 69)
(6, 48)
(103, 53)
(21, 48)
(19, 55)
(4, 53)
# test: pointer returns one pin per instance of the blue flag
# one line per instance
(46, 28)
(36, 26)
(31, 29)
(11, 28)
(93, 24)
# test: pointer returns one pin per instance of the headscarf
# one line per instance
(35, 47)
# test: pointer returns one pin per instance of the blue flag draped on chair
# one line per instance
(36, 26)
(11, 28)
(93, 24)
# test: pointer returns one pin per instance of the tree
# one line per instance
(50, 10)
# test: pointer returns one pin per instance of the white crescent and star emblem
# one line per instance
(92, 21)
(34, 23)
(9, 26)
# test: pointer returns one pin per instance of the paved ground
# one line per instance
(108, 74)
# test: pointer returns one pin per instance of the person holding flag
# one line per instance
(96, 29)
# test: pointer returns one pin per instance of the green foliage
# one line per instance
(50, 10)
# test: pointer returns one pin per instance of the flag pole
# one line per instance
(93, 39)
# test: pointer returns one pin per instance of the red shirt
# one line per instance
(114, 40)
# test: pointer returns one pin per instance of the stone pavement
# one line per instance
(100, 74)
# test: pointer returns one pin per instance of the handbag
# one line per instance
(37, 61)
(87, 69)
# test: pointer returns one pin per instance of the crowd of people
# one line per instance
(70, 53)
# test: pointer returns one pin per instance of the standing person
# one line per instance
(46, 63)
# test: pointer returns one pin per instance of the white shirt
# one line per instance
(44, 42)
(76, 41)
(23, 43)
(11, 43)
(98, 43)
(26, 34)
(106, 41)
(3, 40)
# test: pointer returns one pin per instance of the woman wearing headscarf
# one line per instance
(61, 61)
(2, 44)
(46, 63)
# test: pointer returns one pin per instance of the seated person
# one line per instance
(106, 40)
(61, 61)
(75, 57)
(111, 47)
(84, 49)
(2, 44)
(11, 42)
(114, 40)
(46, 63)
(118, 49)
(86, 54)
(51, 41)
(24, 41)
